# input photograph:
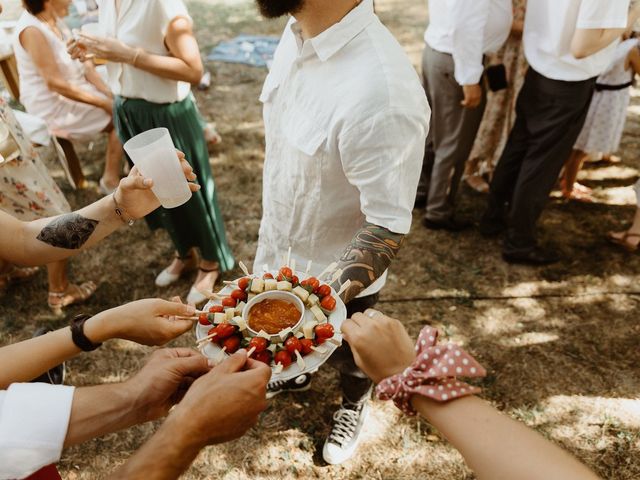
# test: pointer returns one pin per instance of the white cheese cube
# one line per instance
(301, 293)
(229, 313)
(240, 308)
(299, 335)
(313, 300)
(257, 285)
(270, 284)
(285, 333)
(278, 368)
(336, 339)
(264, 334)
(320, 349)
(239, 321)
(307, 329)
(273, 347)
(284, 286)
(219, 317)
(318, 314)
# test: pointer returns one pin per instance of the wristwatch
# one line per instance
(77, 334)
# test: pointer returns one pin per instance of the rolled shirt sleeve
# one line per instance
(382, 158)
(34, 418)
(469, 20)
(599, 14)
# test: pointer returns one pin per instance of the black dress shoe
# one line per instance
(421, 200)
(450, 224)
(537, 256)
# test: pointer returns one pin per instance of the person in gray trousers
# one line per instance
(460, 32)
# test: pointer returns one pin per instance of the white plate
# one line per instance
(313, 361)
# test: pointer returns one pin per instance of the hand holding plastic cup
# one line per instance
(155, 156)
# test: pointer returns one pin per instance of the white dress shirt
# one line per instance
(142, 24)
(549, 28)
(345, 123)
(34, 418)
(467, 29)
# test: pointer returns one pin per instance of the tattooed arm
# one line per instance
(51, 239)
(366, 258)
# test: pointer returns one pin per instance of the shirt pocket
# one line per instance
(271, 84)
(303, 135)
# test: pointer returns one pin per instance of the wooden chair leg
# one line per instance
(73, 161)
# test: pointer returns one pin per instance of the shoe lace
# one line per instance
(345, 424)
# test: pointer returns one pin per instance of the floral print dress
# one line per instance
(27, 191)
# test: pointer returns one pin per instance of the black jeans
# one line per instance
(353, 381)
(549, 117)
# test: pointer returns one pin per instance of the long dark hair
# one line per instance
(34, 7)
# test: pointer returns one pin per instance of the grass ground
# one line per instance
(560, 343)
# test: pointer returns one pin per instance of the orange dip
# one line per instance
(273, 316)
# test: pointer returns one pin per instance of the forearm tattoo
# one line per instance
(366, 258)
(70, 231)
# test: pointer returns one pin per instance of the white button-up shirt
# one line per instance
(549, 28)
(142, 24)
(345, 122)
(467, 29)
(34, 418)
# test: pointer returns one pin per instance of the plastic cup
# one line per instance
(94, 30)
(155, 156)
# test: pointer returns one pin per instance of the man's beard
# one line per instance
(278, 8)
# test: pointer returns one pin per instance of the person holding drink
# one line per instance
(68, 95)
(153, 57)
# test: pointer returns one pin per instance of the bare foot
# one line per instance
(71, 295)
(611, 158)
(626, 239)
(208, 275)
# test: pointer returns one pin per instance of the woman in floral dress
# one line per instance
(499, 115)
(28, 192)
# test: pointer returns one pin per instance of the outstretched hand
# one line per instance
(148, 322)
(134, 193)
(381, 345)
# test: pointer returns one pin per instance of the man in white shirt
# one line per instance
(567, 43)
(460, 32)
(345, 122)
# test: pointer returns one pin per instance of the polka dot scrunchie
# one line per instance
(432, 374)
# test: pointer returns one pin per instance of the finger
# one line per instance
(194, 365)
(134, 172)
(181, 154)
(234, 363)
(176, 299)
(258, 371)
(188, 170)
(137, 182)
(167, 308)
(347, 328)
(194, 187)
(372, 313)
(180, 327)
(184, 352)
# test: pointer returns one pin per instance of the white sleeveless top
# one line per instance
(34, 93)
(143, 24)
(616, 74)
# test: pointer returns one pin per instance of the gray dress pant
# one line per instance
(452, 133)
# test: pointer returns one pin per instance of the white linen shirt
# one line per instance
(345, 123)
(34, 418)
(142, 24)
(467, 29)
(549, 28)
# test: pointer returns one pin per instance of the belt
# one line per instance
(603, 87)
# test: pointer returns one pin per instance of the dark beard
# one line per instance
(278, 8)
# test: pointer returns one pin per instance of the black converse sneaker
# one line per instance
(344, 438)
(301, 383)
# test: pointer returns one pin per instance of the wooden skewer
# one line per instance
(220, 357)
(308, 269)
(344, 286)
(250, 352)
(265, 267)
(227, 282)
(336, 275)
(319, 349)
(206, 339)
(293, 265)
(195, 319)
(288, 256)
(244, 268)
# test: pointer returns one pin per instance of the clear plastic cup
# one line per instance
(155, 156)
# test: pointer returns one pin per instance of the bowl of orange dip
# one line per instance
(272, 312)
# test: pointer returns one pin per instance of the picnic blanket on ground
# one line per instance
(251, 50)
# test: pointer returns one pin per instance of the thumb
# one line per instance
(167, 308)
(234, 363)
(136, 182)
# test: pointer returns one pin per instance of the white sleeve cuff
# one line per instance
(468, 74)
(34, 418)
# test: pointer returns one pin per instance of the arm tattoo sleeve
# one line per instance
(366, 258)
(70, 231)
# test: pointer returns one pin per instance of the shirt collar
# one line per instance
(333, 39)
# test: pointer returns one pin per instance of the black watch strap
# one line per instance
(78, 336)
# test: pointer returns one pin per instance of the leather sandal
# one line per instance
(197, 296)
(73, 294)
